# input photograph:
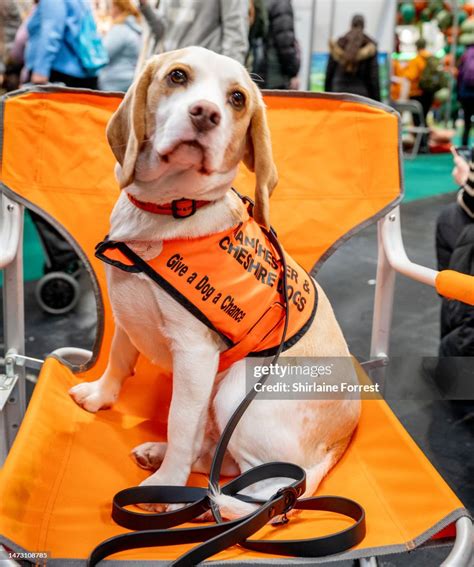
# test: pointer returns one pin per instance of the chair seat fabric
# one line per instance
(66, 464)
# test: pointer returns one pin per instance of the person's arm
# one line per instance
(17, 51)
(53, 24)
(414, 69)
(444, 249)
(461, 168)
(114, 41)
(153, 19)
(460, 341)
(283, 28)
(10, 14)
(235, 28)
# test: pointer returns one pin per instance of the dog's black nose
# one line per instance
(204, 115)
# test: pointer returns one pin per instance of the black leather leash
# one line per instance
(154, 530)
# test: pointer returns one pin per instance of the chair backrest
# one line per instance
(338, 160)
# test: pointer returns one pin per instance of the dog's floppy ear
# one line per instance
(258, 157)
(126, 129)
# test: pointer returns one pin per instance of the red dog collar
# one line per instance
(180, 209)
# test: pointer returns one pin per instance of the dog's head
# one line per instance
(196, 112)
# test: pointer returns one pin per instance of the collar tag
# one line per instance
(180, 208)
(183, 208)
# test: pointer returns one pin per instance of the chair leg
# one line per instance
(383, 310)
(14, 329)
(462, 552)
(416, 145)
(5, 560)
(368, 562)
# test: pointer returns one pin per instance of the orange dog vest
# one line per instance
(232, 282)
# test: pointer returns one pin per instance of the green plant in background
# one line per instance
(444, 19)
(467, 32)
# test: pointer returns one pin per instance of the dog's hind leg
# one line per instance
(150, 455)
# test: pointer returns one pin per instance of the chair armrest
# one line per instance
(455, 285)
(10, 230)
(395, 250)
(448, 283)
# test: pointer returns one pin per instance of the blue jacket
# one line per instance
(123, 43)
(49, 29)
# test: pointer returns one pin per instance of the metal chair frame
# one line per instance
(415, 109)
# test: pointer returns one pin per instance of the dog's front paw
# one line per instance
(149, 456)
(93, 396)
(159, 508)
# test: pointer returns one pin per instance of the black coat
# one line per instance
(363, 81)
(455, 251)
(282, 52)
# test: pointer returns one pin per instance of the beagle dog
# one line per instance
(180, 132)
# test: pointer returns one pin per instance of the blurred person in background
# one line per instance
(123, 43)
(455, 251)
(353, 66)
(399, 85)
(454, 373)
(258, 31)
(10, 21)
(62, 40)
(466, 90)
(425, 76)
(219, 25)
(282, 50)
(19, 73)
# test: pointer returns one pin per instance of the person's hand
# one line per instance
(38, 79)
(461, 168)
(295, 84)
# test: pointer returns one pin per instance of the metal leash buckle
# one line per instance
(291, 497)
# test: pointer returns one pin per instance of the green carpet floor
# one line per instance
(428, 175)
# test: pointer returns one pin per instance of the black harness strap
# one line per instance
(156, 529)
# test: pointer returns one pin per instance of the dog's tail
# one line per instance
(232, 508)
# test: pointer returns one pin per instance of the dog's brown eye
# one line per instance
(237, 99)
(178, 77)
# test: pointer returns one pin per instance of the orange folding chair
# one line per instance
(339, 163)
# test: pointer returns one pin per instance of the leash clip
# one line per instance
(291, 497)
